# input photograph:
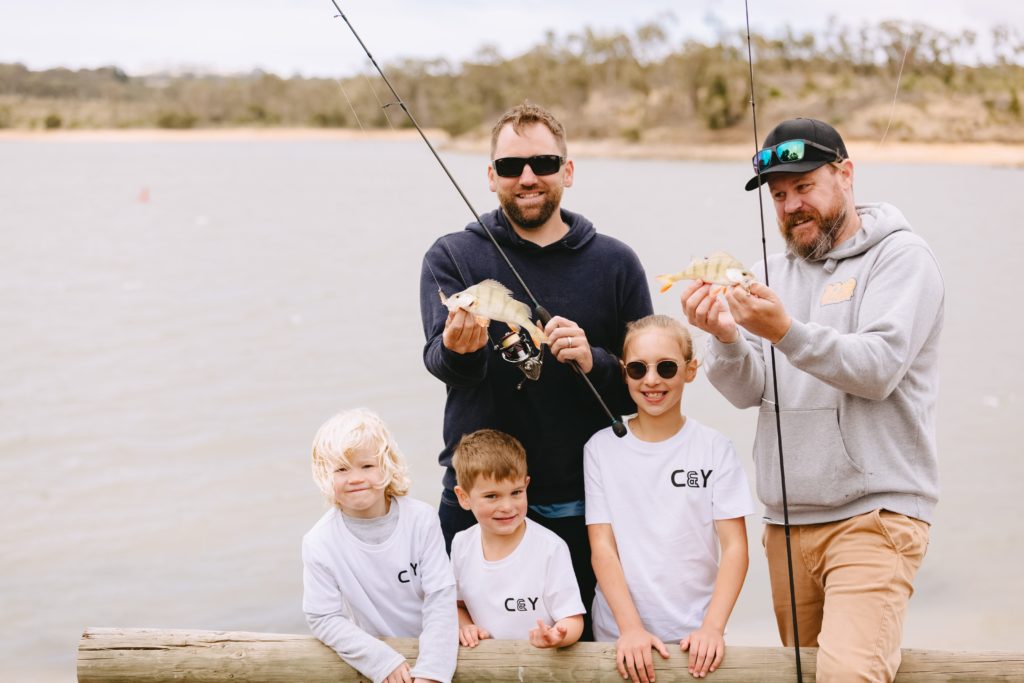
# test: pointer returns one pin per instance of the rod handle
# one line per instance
(618, 428)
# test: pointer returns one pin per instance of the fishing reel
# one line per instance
(517, 348)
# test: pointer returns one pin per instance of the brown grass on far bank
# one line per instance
(870, 151)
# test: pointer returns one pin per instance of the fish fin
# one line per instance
(481, 320)
(727, 260)
(536, 334)
(494, 284)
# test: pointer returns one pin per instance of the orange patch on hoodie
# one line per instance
(837, 292)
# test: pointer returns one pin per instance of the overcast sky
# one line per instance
(302, 37)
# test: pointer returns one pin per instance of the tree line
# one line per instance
(912, 80)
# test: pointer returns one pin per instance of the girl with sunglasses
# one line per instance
(665, 508)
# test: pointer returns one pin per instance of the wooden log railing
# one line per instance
(114, 655)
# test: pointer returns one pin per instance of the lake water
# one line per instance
(177, 319)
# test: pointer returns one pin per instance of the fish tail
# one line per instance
(666, 282)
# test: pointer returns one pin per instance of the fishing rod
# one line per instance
(617, 426)
(775, 378)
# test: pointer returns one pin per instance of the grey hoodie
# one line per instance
(857, 375)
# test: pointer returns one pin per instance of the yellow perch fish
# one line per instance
(719, 268)
(491, 300)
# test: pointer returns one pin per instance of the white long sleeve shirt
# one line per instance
(355, 592)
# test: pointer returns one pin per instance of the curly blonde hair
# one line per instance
(352, 430)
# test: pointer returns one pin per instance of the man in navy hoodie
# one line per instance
(591, 284)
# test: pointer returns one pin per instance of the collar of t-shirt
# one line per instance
(376, 529)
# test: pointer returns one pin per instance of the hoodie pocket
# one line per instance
(819, 471)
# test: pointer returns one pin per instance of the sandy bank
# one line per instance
(987, 154)
(984, 154)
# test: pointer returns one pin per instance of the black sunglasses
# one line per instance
(637, 369)
(789, 152)
(542, 164)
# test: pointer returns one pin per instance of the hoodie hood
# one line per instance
(580, 232)
(877, 221)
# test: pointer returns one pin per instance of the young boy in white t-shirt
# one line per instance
(515, 578)
(665, 514)
(374, 565)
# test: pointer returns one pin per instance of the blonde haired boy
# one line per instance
(374, 565)
(514, 577)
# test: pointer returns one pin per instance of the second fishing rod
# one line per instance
(775, 379)
(542, 314)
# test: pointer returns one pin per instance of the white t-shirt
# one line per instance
(380, 587)
(508, 596)
(662, 500)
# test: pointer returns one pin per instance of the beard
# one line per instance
(828, 228)
(534, 217)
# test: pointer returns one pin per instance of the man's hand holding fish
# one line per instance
(462, 333)
(708, 311)
(759, 311)
(569, 343)
(486, 301)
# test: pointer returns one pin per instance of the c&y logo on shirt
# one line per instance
(695, 479)
(405, 572)
(519, 604)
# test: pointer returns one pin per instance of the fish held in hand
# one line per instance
(490, 300)
(720, 269)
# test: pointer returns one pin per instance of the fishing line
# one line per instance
(369, 83)
(350, 105)
(617, 426)
(455, 262)
(775, 379)
(462, 277)
(892, 110)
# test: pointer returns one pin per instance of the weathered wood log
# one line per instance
(113, 655)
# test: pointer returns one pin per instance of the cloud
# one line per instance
(306, 38)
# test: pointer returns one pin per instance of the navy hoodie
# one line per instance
(594, 280)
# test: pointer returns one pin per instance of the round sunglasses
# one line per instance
(637, 369)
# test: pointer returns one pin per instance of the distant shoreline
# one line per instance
(967, 153)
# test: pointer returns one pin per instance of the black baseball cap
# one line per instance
(812, 130)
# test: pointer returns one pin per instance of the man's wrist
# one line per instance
(735, 338)
(782, 332)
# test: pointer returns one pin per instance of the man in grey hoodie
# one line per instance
(854, 313)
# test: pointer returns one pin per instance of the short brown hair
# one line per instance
(527, 114)
(661, 322)
(488, 453)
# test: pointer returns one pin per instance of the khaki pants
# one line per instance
(853, 579)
